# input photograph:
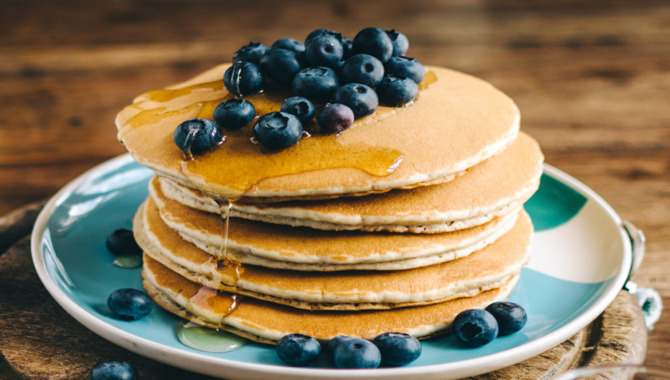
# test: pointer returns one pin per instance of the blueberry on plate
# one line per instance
(356, 353)
(129, 304)
(243, 78)
(289, 44)
(301, 107)
(317, 83)
(122, 242)
(395, 91)
(360, 98)
(324, 50)
(335, 118)
(475, 327)
(234, 113)
(405, 67)
(251, 52)
(333, 343)
(280, 65)
(278, 130)
(298, 349)
(511, 316)
(397, 349)
(113, 370)
(399, 41)
(196, 136)
(375, 42)
(362, 68)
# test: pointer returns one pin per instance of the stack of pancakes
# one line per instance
(400, 222)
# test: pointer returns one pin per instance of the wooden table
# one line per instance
(592, 80)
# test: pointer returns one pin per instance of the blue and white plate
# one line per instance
(581, 257)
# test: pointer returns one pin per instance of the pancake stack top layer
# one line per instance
(406, 218)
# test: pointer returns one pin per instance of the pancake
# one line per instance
(267, 322)
(456, 122)
(300, 248)
(503, 183)
(483, 270)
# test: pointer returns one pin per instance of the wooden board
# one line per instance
(39, 340)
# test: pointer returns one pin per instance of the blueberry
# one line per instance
(251, 52)
(335, 118)
(362, 68)
(475, 327)
(278, 130)
(130, 304)
(196, 136)
(356, 353)
(399, 41)
(511, 317)
(289, 44)
(347, 46)
(280, 65)
(113, 370)
(320, 32)
(395, 91)
(397, 349)
(333, 343)
(122, 242)
(298, 349)
(234, 113)
(301, 107)
(405, 67)
(243, 78)
(324, 50)
(317, 84)
(359, 97)
(375, 42)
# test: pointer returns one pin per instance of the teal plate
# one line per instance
(580, 259)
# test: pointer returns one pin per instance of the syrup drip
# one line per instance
(205, 339)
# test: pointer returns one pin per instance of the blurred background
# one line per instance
(592, 80)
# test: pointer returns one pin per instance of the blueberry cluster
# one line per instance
(390, 349)
(477, 327)
(346, 79)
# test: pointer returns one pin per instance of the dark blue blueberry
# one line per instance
(362, 68)
(278, 130)
(405, 67)
(129, 304)
(251, 52)
(375, 42)
(122, 242)
(335, 118)
(113, 370)
(475, 327)
(324, 50)
(511, 317)
(280, 65)
(317, 84)
(234, 113)
(398, 349)
(333, 343)
(298, 349)
(289, 44)
(348, 46)
(243, 78)
(356, 353)
(359, 97)
(196, 136)
(320, 32)
(301, 107)
(399, 41)
(395, 91)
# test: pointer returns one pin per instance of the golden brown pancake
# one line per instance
(492, 188)
(456, 122)
(268, 322)
(485, 269)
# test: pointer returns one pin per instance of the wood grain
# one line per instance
(591, 79)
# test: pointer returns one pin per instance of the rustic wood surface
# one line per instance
(39, 340)
(592, 80)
